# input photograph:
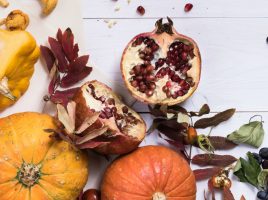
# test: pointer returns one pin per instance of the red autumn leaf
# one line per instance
(54, 83)
(59, 35)
(59, 54)
(227, 194)
(78, 64)
(213, 159)
(68, 45)
(71, 79)
(63, 97)
(48, 57)
(202, 174)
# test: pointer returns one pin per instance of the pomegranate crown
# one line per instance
(166, 27)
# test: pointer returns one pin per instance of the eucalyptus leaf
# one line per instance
(203, 111)
(263, 178)
(251, 134)
(215, 120)
(248, 170)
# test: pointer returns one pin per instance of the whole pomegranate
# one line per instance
(161, 67)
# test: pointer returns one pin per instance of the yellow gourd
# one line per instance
(18, 54)
(36, 166)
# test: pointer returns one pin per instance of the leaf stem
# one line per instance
(256, 116)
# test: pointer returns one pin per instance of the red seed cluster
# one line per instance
(122, 120)
(145, 75)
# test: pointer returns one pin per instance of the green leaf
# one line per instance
(251, 134)
(262, 179)
(248, 170)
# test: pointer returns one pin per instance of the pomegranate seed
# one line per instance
(168, 93)
(155, 47)
(142, 88)
(139, 78)
(114, 110)
(168, 84)
(174, 96)
(103, 116)
(188, 7)
(134, 83)
(152, 85)
(141, 10)
(184, 56)
(150, 78)
(165, 89)
(125, 109)
(175, 78)
(180, 93)
(149, 68)
(111, 101)
(149, 93)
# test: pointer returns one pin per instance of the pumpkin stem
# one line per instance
(159, 196)
(29, 174)
(4, 90)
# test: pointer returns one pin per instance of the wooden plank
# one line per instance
(234, 71)
(175, 8)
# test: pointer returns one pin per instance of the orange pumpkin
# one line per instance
(36, 166)
(149, 173)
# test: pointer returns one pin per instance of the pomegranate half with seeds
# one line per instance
(126, 129)
(161, 67)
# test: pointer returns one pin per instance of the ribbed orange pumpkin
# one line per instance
(149, 173)
(35, 166)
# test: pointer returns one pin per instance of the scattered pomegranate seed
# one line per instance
(141, 10)
(188, 7)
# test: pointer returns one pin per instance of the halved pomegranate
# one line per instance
(126, 129)
(161, 67)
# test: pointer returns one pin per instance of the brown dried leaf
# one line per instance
(91, 135)
(227, 194)
(221, 143)
(202, 174)
(213, 159)
(88, 122)
(215, 120)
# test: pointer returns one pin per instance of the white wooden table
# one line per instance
(232, 39)
(231, 36)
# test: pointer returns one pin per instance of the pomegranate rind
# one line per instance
(123, 142)
(194, 72)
